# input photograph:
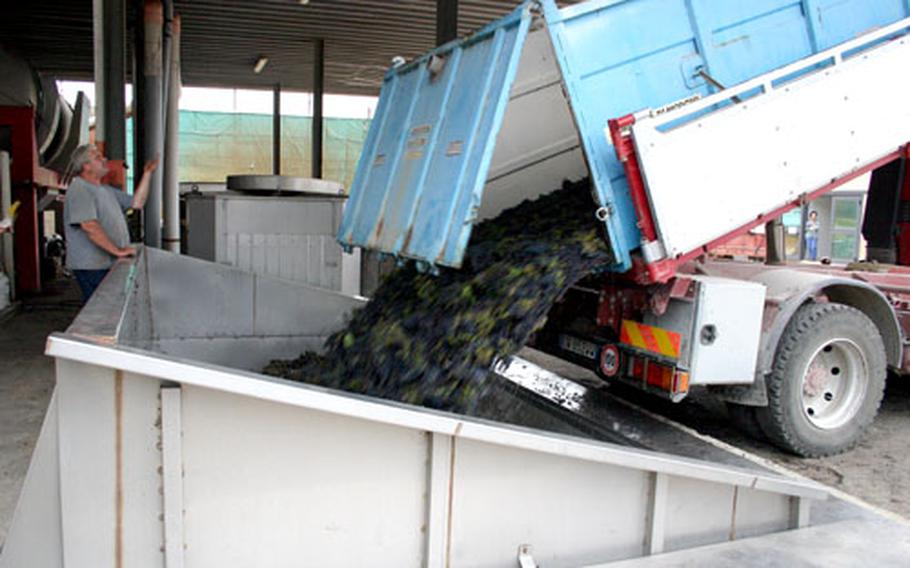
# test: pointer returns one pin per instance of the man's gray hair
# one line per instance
(81, 156)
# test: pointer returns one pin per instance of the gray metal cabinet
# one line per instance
(290, 237)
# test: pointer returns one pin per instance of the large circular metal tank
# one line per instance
(272, 184)
(22, 86)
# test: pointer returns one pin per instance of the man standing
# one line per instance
(93, 215)
(811, 231)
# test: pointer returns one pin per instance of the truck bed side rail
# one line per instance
(712, 169)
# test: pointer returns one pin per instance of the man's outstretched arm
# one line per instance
(142, 190)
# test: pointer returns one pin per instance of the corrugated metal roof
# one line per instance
(222, 39)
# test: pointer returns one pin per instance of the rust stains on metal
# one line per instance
(106, 340)
(407, 239)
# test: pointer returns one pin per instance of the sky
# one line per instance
(246, 101)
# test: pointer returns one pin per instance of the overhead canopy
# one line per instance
(222, 39)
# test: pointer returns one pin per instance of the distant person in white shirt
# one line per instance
(94, 222)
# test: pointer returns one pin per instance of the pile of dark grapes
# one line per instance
(431, 339)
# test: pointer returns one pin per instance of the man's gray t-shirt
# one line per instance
(86, 201)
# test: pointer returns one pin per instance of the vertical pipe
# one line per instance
(113, 103)
(775, 247)
(99, 34)
(138, 103)
(152, 117)
(318, 89)
(803, 217)
(6, 199)
(110, 61)
(276, 129)
(167, 34)
(172, 146)
(446, 21)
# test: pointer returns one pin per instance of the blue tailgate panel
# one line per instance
(422, 171)
(421, 176)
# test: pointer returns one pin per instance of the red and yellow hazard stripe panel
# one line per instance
(650, 338)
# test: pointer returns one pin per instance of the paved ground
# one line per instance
(877, 470)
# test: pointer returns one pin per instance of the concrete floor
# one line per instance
(26, 382)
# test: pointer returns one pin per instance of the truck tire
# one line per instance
(827, 381)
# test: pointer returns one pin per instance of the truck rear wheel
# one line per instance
(827, 381)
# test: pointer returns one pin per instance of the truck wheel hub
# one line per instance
(834, 384)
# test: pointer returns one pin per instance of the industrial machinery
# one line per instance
(39, 130)
(631, 95)
(279, 225)
(164, 446)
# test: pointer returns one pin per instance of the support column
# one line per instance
(114, 80)
(318, 89)
(276, 129)
(138, 75)
(152, 124)
(98, 36)
(446, 21)
(172, 145)
(6, 239)
(110, 77)
(167, 34)
(775, 245)
(26, 253)
(803, 217)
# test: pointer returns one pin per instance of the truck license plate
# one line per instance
(578, 346)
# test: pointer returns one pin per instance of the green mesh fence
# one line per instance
(214, 145)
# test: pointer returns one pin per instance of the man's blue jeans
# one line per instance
(88, 280)
(812, 247)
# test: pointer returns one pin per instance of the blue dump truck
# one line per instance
(695, 121)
